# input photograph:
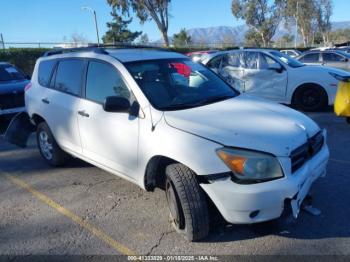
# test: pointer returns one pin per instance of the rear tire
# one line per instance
(310, 98)
(48, 147)
(187, 203)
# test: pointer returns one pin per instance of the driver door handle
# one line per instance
(45, 100)
(83, 113)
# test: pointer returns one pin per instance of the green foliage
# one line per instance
(260, 15)
(118, 31)
(23, 58)
(252, 39)
(340, 36)
(145, 10)
(143, 39)
(181, 38)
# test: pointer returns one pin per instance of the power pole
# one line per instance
(2, 41)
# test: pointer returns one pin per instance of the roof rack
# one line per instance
(100, 49)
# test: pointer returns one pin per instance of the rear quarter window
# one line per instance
(69, 76)
(45, 71)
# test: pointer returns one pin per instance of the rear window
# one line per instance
(10, 73)
(69, 76)
(45, 70)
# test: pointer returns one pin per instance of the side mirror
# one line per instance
(276, 67)
(28, 77)
(116, 104)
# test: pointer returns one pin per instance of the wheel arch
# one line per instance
(37, 119)
(155, 173)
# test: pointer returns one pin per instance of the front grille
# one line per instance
(306, 151)
(9, 101)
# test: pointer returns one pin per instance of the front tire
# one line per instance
(187, 203)
(310, 98)
(48, 147)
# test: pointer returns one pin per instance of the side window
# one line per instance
(332, 57)
(104, 80)
(310, 58)
(44, 72)
(69, 76)
(266, 62)
(233, 59)
(215, 62)
(251, 60)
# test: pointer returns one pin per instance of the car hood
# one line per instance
(247, 122)
(13, 86)
(318, 68)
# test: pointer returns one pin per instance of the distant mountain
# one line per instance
(220, 34)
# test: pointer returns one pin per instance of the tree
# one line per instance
(259, 15)
(145, 10)
(118, 31)
(182, 38)
(304, 12)
(144, 39)
(78, 40)
(285, 40)
(324, 13)
(252, 39)
(340, 35)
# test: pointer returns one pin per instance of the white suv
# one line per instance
(158, 119)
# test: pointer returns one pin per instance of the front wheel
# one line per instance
(187, 203)
(310, 98)
(48, 147)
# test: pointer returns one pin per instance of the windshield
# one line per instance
(172, 84)
(10, 73)
(286, 59)
(343, 53)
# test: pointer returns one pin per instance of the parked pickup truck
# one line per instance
(12, 84)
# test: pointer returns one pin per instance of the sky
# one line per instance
(54, 21)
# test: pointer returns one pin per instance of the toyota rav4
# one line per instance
(158, 119)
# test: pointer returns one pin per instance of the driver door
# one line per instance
(264, 76)
(110, 139)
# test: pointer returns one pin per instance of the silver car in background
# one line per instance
(332, 58)
(291, 52)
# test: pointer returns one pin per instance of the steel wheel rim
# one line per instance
(45, 145)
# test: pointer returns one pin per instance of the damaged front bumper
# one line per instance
(246, 204)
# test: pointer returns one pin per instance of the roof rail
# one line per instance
(100, 49)
(75, 49)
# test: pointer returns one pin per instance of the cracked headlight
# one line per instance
(250, 166)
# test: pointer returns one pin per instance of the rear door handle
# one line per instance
(82, 113)
(45, 100)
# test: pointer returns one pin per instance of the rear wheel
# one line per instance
(310, 98)
(187, 203)
(48, 147)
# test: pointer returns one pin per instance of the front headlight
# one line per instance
(251, 166)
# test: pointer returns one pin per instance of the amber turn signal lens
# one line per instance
(235, 163)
